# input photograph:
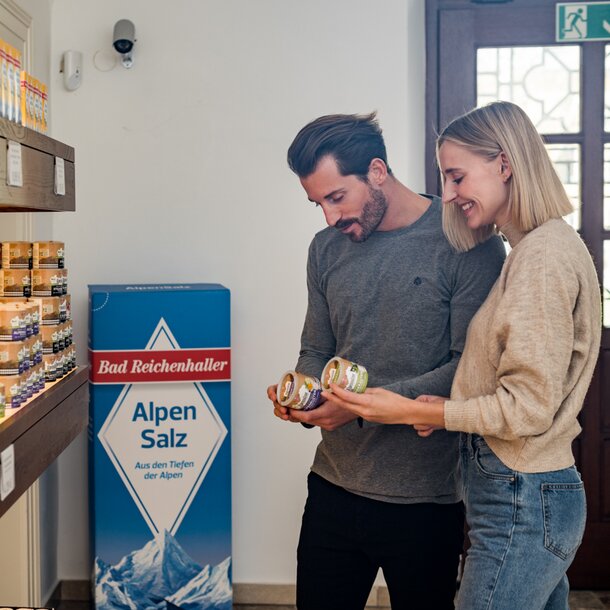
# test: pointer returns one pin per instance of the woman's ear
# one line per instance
(506, 170)
(378, 172)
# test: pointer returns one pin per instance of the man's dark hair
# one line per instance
(353, 140)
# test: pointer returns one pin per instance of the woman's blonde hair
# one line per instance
(535, 191)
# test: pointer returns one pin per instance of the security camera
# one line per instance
(123, 39)
(123, 36)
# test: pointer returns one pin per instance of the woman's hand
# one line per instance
(385, 407)
(376, 404)
(425, 430)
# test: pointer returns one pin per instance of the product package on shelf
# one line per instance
(25, 608)
(21, 369)
(34, 100)
(159, 448)
(10, 82)
(16, 255)
(23, 98)
(36, 344)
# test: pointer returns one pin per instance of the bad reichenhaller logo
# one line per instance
(144, 366)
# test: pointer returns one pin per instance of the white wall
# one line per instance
(181, 176)
(36, 61)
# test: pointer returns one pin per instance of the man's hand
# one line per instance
(326, 416)
(279, 411)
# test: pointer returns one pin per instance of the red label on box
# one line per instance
(158, 366)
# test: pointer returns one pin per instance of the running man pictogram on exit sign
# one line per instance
(579, 21)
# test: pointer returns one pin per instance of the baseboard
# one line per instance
(70, 590)
(256, 594)
(246, 594)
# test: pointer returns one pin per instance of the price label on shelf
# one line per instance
(7, 471)
(14, 169)
(60, 176)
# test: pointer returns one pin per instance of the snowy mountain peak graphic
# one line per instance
(159, 568)
(159, 576)
(209, 589)
(108, 592)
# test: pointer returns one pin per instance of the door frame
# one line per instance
(454, 31)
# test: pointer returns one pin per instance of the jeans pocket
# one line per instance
(565, 511)
(490, 466)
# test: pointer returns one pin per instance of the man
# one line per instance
(387, 291)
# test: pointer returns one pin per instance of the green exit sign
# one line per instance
(578, 21)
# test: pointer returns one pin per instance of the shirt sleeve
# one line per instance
(318, 341)
(533, 328)
(473, 274)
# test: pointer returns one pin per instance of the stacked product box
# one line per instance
(159, 449)
(21, 368)
(23, 98)
(35, 319)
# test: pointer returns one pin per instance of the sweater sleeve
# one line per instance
(472, 274)
(318, 341)
(533, 331)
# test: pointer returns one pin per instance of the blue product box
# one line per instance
(159, 446)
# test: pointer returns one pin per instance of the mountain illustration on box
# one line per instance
(162, 576)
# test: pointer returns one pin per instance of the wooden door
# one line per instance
(482, 50)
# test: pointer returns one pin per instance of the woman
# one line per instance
(527, 364)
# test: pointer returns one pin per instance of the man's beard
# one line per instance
(371, 217)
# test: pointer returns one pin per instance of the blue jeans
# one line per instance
(524, 532)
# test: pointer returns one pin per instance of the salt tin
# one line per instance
(346, 374)
(16, 283)
(11, 358)
(48, 282)
(16, 255)
(299, 391)
(49, 310)
(48, 255)
(13, 392)
(12, 323)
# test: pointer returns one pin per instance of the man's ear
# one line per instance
(378, 172)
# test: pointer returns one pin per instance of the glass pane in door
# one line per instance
(566, 160)
(607, 94)
(606, 286)
(544, 81)
(607, 186)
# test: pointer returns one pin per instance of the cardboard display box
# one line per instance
(159, 446)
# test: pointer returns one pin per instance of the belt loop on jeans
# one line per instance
(472, 445)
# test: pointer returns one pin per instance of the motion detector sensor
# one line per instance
(72, 68)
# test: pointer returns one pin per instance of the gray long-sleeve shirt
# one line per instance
(399, 304)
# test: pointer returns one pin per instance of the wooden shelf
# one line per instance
(47, 423)
(43, 427)
(38, 154)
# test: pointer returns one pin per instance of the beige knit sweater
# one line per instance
(530, 351)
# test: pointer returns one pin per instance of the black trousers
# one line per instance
(346, 538)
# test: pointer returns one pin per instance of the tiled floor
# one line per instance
(587, 600)
(579, 600)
